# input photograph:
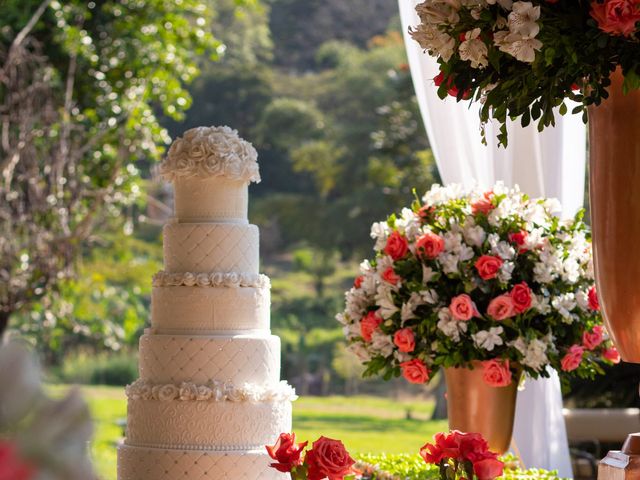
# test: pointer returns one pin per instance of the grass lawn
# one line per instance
(364, 424)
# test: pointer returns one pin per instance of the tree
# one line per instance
(80, 85)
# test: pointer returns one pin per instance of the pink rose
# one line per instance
(429, 246)
(405, 340)
(415, 371)
(390, 276)
(484, 205)
(572, 359)
(397, 246)
(357, 283)
(496, 373)
(488, 468)
(488, 266)
(369, 324)
(594, 304)
(616, 17)
(612, 355)
(286, 452)
(592, 339)
(463, 308)
(501, 307)
(521, 297)
(328, 459)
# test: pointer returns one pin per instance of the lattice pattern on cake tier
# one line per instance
(182, 358)
(202, 247)
(135, 463)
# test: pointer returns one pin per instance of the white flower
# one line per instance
(380, 231)
(437, 194)
(401, 357)
(474, 234)
(519, 344)
(430, 296)
(505, 272)
(522, 19)
(449, 262)
(449, 325)
(564, 304)
(382, 343)
(582, 299)
(522, 48)
(541, 303)
(433, 40)
(474, 49)
(408, 224)
(536, 355)
(360, 351)
(503, 250)
(488, 339)
(427, 274)
(384, 300)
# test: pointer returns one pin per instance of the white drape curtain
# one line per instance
(549, 164)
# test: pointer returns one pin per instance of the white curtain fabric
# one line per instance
(549, 164)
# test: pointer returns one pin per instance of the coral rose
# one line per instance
(501, 307)
(612, 355)
(286, 452)
(369, 324)
(484, 205)
(488, 468)
(521, 297)
(415, 371)
(397, 245)
(592, 339)
(616, 17)
(594, 304)
(405, 340)
(12, 466)
(444, 446)
(488, 266)
(328, 459)
(496, 373)
(572, 359)
(463, 308)
(390, 276)
(429, 246)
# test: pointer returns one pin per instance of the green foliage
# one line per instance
(102, 369)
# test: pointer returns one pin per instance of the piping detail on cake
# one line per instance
(213, 391)
(211, 152)
(217, 279)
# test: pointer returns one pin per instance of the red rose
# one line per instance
(616, 17)
(444, 446)
(328, 459)
(488, 468)
(451, 88)
(521, 296)
(496, 373)
(463, 308)
(12, 466)
(358, 281)
(429, 245)
(369, 324)
(519, 239)
(572, 359)
(390, 276)
(415, 371)
(594, 304)
(473, 447)
(501, 307)
(592, 339)
(488, 266)
(612, 355)
(484, 205)
(397, 245)
(405, 340)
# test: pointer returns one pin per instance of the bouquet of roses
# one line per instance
(523, 58)
(462, 455)
(467, 277)
(326, 459)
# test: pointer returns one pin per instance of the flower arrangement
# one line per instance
(467, 278)
(462, 455)
(327, 458)
(524, 58)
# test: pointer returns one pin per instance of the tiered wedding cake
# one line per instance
(209, 395)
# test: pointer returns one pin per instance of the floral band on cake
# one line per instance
(213, 391)
(217, 279)
(205, 152)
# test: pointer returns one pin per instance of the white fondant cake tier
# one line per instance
(214, 199)
(194, 425)
(146, 463)
(226, 358)
(211, 247)
(204, 310)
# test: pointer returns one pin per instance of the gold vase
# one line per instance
(614, 155)
(475, 407)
